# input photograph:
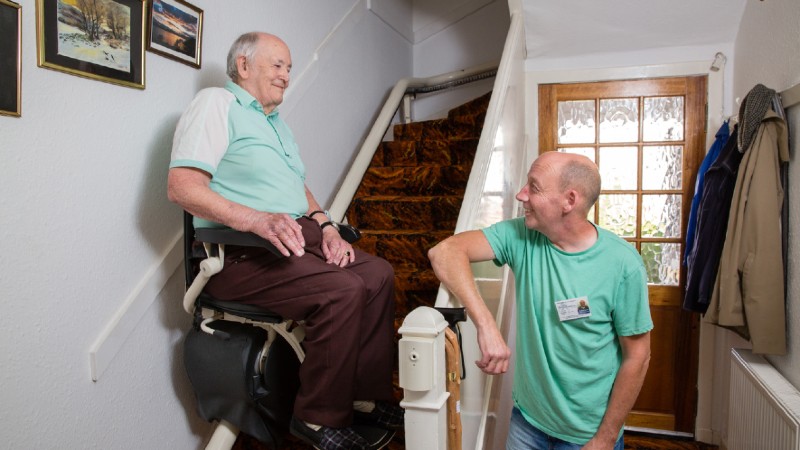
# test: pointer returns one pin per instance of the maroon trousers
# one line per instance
(348, 314)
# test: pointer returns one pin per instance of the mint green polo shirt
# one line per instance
(252, 157)
(571, 310)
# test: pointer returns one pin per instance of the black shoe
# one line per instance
(384, 415)
(376, 437)
(327, 438)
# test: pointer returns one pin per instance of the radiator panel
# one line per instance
(764, 408)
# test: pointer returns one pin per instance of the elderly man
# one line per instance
(236, 164)
(583, 320)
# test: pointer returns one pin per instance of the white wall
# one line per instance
(85, 217)
(474, 40)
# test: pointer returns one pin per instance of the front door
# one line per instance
(647, 138)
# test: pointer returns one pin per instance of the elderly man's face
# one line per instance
(267, 76)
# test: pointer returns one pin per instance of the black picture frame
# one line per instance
(98, 39)
(10, 59)
(175, 31)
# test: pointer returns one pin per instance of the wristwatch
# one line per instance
(333, 224)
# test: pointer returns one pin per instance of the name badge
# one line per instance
(574, 308)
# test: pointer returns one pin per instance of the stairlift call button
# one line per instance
(416, 364)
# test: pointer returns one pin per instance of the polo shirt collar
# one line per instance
(246, 99)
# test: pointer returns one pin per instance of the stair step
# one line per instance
(426, 180)
(403, 249)
(475, 106)
(456, 126)
(414, 288)
(437, 152)
(398, 212)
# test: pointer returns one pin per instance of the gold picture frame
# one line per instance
(99, 39)
(10, 59)
(175, 31)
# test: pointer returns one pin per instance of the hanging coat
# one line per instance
(748, 294)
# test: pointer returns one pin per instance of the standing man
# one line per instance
(583, 319)
(236, 164)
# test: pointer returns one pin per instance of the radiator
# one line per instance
(764, 409)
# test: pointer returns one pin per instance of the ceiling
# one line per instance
(570, 28)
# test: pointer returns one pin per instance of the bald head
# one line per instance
(575, 172)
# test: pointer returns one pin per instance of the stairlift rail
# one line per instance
(403, 87)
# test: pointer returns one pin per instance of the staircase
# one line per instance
(408, 201)
(410, 197)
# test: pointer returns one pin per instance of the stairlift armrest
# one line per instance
(348, 232)
(227, 236)
(232, 237)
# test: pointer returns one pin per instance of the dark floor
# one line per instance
(639, 441)
(633, 441)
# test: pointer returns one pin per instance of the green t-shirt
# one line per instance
(566, 362)
(252, 157)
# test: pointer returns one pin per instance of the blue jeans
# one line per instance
(524, 436)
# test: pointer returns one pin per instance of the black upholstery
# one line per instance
(225, 374)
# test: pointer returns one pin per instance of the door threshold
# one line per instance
(657, 432)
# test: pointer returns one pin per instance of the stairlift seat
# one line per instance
(241, 359)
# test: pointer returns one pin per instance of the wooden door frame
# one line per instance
(705, 419)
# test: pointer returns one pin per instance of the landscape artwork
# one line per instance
(95, 31)
(176, 31)
(101, 39)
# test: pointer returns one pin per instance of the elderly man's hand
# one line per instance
(280, 229)
(336, 250)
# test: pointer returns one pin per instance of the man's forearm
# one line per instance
(626, 388)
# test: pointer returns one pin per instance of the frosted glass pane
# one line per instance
(661, 260)
(585, 151)
(662, 167)
(663, 119)
(576, 122)
(618, 167)
(619, 120)
(661, 216)
(618, 214)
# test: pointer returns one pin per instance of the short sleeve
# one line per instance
(201, 137)
(501, 237)
(632, 309)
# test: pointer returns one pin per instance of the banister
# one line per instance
(403, 87)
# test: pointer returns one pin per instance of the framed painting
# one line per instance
(10, 59)
(176, 31)
(99, 39)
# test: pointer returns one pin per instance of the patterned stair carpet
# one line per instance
(411, 194)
